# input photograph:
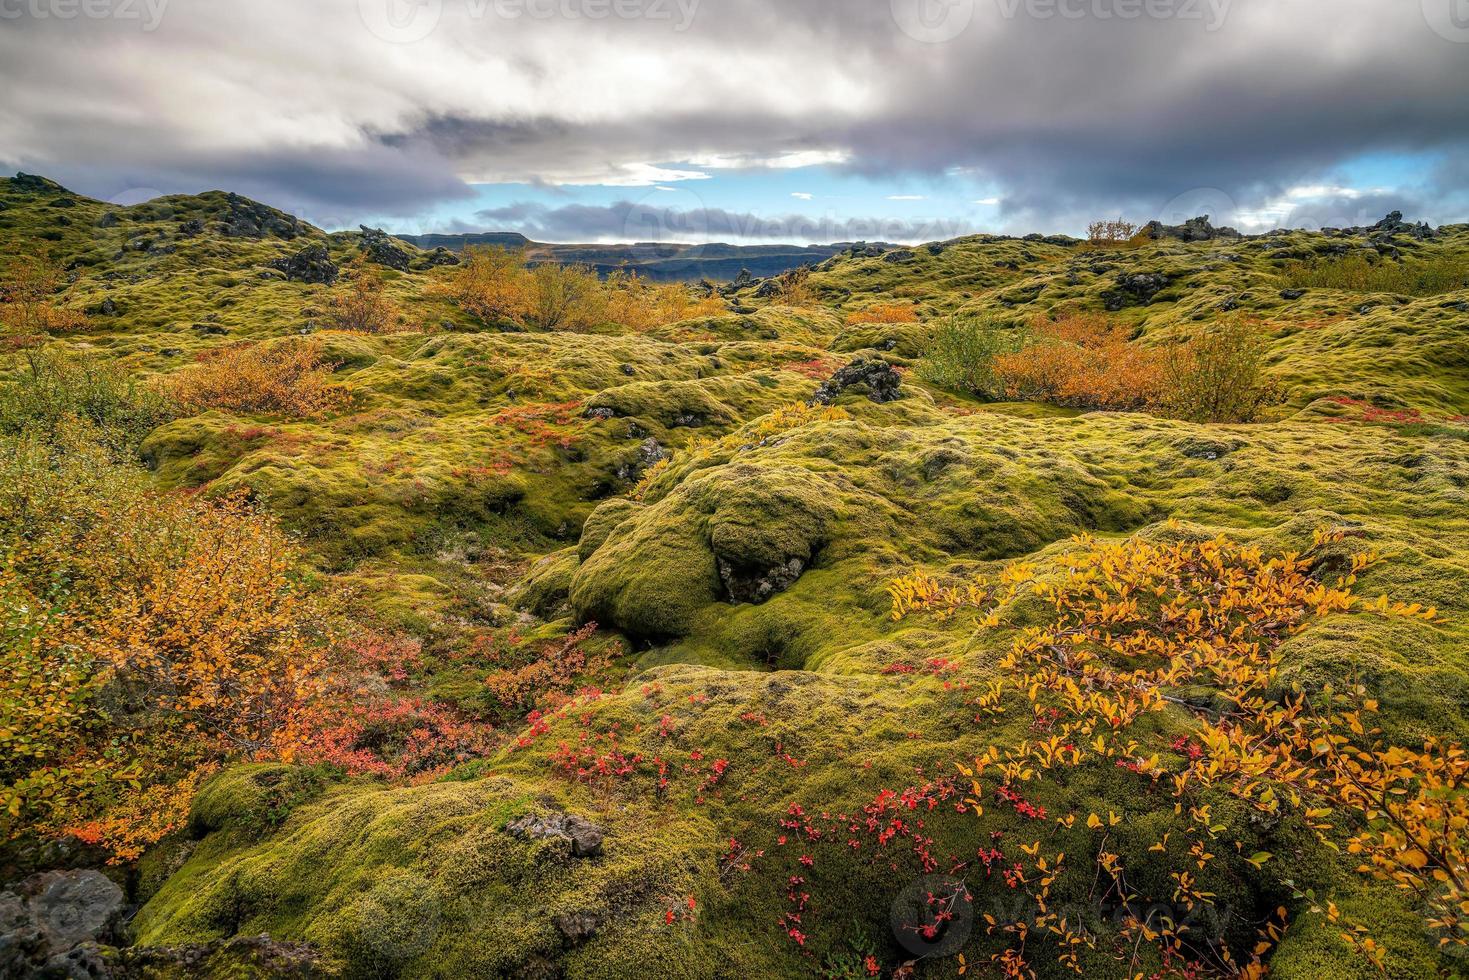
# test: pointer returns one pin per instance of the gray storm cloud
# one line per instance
(1071, 108)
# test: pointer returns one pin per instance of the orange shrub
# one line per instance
(28, 291)
(287, 377)
(885, 313)
(640, 305)
(361, 304)
(1082, 361)
(145, 639)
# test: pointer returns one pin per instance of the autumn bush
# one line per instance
(495, 284)
(360, 302)
(961, 354)
(1155, 662)
(287, 377)
(145, 638)
(1082, 360)
(885, 313)
(1218, 375)
(31, 287)
(1110, 234)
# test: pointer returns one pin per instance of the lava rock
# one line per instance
(1193, 230)
(312, 264)
(1292, 293)
(584, 836)
(744, 585)
(441, 256)
(576, 927)
(108, 220)
(48, 915)
(380, 248)
(877, 378)
(1134, 289)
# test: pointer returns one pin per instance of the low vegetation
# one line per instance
(921, 613)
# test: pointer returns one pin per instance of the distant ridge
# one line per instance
(716, 261)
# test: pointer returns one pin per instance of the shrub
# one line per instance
(640, 305)
(1219, 375)
(28, 292)
(287, 377)
(885, 313)
(566, 297)
(1082, 360)
(145, 638)
(1110, 234)
(961, 355)
(1357, 273)
(491, 283)
(361, 304)
(54, 389)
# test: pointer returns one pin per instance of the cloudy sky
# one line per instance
(750, 120)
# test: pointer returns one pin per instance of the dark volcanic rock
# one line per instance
(1134, 289)
(746, 585)
(380, 248)
(251, 219)
(312, 264)
(47, 916)
(1193, 230)
(875, 378)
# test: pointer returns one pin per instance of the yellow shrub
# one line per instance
(286, 377)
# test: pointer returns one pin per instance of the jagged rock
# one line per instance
(600, 413)
(108, 307)
(584, 836)
(379, 248)
(864, 250)
(745, 586)
(312, 264)
(649, 453)
(744, 279)
(252, 956)
(1292, 293)
(441, 256)
(33, 183)
(900, 256)
(875, 377)
(48, 915)
(1393, 224)
(251, 219)
(767, 289)
(108, 220)
(192, 227)
(627, 369)
(1134, 289)
(1192, 230)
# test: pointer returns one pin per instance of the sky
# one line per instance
(751, 121)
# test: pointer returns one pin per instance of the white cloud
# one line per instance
(988, 201)
(802, 195)
(793, 160)
(906, 197)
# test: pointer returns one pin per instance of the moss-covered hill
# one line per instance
(482, 478)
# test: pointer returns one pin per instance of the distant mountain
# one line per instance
(654, 260)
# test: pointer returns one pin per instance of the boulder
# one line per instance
(312, 264)
(873, 377)
(380, 248)
(1193, 230)
(47, 916)
(584, 837)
